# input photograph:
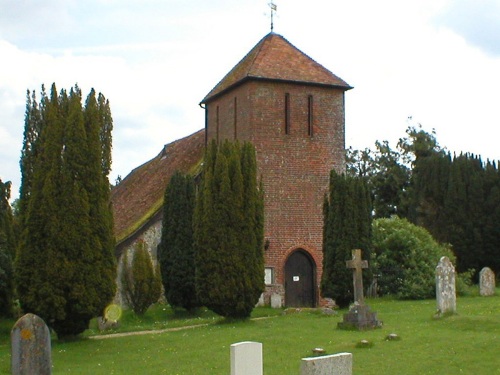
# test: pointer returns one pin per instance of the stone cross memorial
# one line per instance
(446, 297)
(30, 352)
(335, 364)
(359, 315)
(486, 282)
(246, 358)
(357, 264)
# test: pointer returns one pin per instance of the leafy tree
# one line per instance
(347, 226)
(176, 249)
(7, 246)
(418, 143)
(141, 282)
(65, 268)
(405, 257)
(386, 174)
(229, 231)
(456, 198)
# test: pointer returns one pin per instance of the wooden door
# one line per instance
(299, 280)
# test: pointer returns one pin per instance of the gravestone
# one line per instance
(261, 301)
(486, 282)
(445, 287)
(246, 358)
(335, 364)
(276, 302)
(359, 315)
(30, 352)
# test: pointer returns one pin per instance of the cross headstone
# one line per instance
(359, 315)
(335, 364)
(445, 287)
(246, 358)
(486, 282)
(30, 351)
(357, 264)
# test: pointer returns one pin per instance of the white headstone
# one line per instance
(276, 301)
(335, 364)
(30, 351)
(445, 287)
(246, 358)
(261, 301)
(486, 282)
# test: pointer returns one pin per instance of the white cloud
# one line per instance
(155, 60)
(477, 21)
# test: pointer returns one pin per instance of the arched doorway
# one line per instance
(300, 276)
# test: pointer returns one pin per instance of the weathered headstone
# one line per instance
(276, 302)
(486, 282)
(335, 364)
(445, 287)
(359, 315)
(30, 352)
(261, 301)
(246, 358)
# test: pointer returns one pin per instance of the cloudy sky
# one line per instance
(436, 61)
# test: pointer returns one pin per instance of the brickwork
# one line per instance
(295, 167)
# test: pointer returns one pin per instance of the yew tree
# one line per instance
(176, 249)
(65, 266)
(228, 227)
(347, 226)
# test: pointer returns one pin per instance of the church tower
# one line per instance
(292, 109)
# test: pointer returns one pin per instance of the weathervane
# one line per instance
(274, 8)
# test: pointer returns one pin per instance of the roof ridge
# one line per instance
(259, 45)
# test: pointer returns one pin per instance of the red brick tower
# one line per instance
(292, 109)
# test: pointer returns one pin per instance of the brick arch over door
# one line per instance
(300, 280)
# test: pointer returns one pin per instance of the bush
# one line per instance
(405, 258)
(465, 284)
(141, 282)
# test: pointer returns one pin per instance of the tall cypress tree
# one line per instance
(65, 268)
(347, 226)
(228, 232)
(491, 231)
(176, 250)
(7, 246)
(33, 123)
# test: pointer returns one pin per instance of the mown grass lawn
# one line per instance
(466, 343)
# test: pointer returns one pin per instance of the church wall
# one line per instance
(151, 236)
(295, 167)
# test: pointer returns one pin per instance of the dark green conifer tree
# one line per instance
(65, 268)
(7, 250)
(141, 280)
(176, 249)
(33, 123)
(491, 231)
(228, 232)
(347, 226)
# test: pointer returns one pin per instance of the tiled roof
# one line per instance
(274, 58)
(140, 195)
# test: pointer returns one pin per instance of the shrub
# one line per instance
(405, 256)
(141, 282)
